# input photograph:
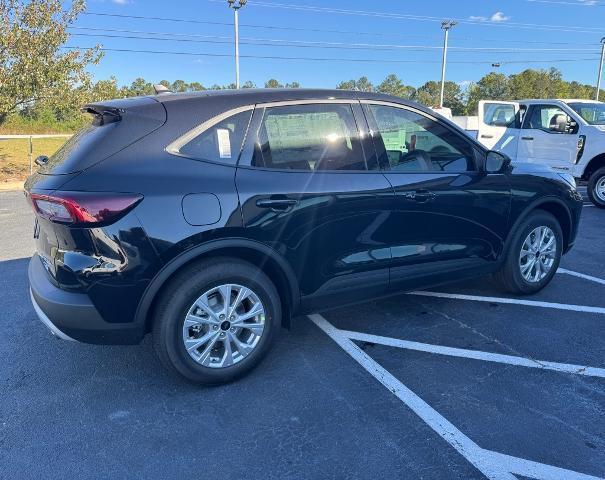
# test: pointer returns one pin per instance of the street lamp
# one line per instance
(445, 25)
(236, 5)
(600, 68)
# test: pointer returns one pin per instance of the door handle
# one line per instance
(420, 196)
(527, 138)
(276, 204)
(487, 136)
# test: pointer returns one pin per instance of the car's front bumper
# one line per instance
(72, 316)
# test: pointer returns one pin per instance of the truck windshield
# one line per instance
(593, 113)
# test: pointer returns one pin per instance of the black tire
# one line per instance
(510, 277)
(593, 181)
(183, 290)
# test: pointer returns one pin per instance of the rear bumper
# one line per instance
(72, 316)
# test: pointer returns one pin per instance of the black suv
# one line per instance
(211, 219)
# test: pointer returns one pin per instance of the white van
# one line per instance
(568, 135)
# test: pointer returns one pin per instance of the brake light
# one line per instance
(83, 208)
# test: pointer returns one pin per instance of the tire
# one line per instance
(181, 298)
(596, 188)
(510, 277)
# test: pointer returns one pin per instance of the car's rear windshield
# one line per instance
(593, 113)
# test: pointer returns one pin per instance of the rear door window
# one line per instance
(309, 137)
(499, 115)
(221, 142)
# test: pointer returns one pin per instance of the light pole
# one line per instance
(446, 25)
(236, 5)
(600, 68)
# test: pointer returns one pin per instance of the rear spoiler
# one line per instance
(103, 115)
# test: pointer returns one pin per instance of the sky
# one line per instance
(320, 43)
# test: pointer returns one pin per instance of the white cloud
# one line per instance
(499, 17)
(496, 18)
(121, 2)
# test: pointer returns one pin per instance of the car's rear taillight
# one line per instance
(83, 208)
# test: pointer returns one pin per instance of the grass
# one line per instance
(14, 156)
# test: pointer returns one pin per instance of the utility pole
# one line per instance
(236, 6)
(600, 68)
(446, 25)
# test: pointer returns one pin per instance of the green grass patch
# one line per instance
(14, 155)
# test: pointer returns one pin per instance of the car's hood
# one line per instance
(530, 167)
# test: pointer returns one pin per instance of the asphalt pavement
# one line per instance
(463, 382)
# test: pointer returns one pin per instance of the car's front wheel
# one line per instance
(533, 255)
(596, 188)
(216, 320)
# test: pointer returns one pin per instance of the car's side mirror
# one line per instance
(572, 126)
(496, 162)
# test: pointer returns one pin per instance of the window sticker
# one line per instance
(224, 144)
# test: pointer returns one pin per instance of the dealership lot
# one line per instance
(464, 382)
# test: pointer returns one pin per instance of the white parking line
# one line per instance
(513, 301)
(582, 275)
(492, 464)
(475, 354)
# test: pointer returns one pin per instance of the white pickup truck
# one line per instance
(568, 135)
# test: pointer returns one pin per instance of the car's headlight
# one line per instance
(570, 179)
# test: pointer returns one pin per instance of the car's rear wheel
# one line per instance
(533, 255)
(216, 320)
(596, 188)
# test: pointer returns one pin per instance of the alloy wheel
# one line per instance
(538, 254)
(223, 326)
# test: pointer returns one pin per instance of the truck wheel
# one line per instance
(596, 188)
(216, 320)
(533, 255)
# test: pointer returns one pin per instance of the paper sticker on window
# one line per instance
(224, 144)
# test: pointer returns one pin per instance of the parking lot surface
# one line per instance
(462, 382)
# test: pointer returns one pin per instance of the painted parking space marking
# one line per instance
(512, 301)
(493, 465)
(475, 354)
(581, 275)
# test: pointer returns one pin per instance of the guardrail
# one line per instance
(31, 144)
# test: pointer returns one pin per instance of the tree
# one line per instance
(106, 90)
(428, 94)
(392, 85)
(272, 83)
(362, 85)
(493, 86)
(248, 84)
(195, 87)
(140, 86)
(179, 86)
(33, 69)
(537, 84)
(294, 84)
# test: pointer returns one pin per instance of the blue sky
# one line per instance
(402, 37)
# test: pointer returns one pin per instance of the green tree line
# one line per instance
(42, 85)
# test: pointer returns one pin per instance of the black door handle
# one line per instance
(487, 136)
(527, 138)
(277, 204)
(420, 196)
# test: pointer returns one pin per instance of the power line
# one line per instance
(592, 3)
(397, 16)
(337, 45)
(290, 29)
(323, 59)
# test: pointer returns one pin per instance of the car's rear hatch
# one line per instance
(115, 125)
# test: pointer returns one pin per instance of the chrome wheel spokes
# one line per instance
(223, 326)
(538, 254)
(599, 189)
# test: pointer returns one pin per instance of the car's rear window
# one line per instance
(221, 142)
